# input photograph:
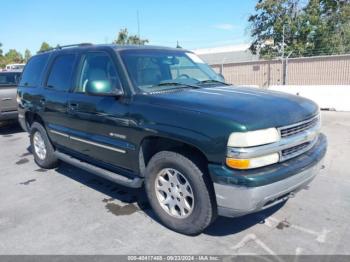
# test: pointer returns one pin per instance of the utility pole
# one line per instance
(286, 68)
(222, 66)
(283, 42)
(283, 62)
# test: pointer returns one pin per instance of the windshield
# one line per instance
(155, 70)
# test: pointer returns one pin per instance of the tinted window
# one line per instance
(9, 78)
(61, 72)
(33, 70)
(98, 70)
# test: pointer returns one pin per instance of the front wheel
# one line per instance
(179, 193)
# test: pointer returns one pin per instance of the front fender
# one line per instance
(210, 147)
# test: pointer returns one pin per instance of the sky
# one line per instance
(194, 23)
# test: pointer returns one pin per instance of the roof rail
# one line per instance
(59, 47)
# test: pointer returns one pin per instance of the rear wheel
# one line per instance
(43, 151)
(179, 193)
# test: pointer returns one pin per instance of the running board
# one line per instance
(116, 178)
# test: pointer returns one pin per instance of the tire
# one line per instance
(46, 159)
(166, 167)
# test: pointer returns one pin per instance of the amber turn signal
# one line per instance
(252, 162)
(238, 163)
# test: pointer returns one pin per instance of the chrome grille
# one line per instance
(296, 139)
(299, 127)
(294, 149)
(297, 130)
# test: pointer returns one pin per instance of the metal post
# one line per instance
(283, 62)
(269, 74)
(222, 66)
(283, 42)
(286, 72)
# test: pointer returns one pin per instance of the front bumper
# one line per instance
(22, 121)
(243, 192)
(10, 115)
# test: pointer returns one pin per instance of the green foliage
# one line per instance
(12, 56)
(268, 22)
(124, 38)
(337, 23)
(1, 57)
(44, 47)
(27, 55)
(320, 27)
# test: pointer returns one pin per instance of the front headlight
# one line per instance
(253, 138)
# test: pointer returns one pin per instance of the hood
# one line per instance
(252, 108)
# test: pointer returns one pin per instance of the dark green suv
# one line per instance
(163, 119)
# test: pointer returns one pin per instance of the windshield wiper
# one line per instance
(209, 81)
(176, 84)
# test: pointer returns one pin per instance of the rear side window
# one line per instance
(60, 77)
(33, 70)
(9, 79)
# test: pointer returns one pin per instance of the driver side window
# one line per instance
(98, 68)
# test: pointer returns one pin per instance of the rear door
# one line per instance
(8, 90)
(54, 101)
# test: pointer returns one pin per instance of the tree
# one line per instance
(2, 62)
(335, 20)
(124, 38)
(273, 21)
(44, 47)
(319, 27)
(27, 55)
(13, 56)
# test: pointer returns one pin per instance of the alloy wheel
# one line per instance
(174, 193)
(39, 145)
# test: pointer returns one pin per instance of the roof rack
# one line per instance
(60, 47)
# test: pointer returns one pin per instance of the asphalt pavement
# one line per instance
(70, 211)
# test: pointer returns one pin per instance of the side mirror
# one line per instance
(102, 88)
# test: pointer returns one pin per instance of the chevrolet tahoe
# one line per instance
(162, 119)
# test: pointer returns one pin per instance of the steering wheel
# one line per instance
(185, 76)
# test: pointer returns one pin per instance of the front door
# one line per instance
(99, 122)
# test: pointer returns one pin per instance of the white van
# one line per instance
(14, 67)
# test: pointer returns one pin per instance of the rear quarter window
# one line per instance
(33, 70)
